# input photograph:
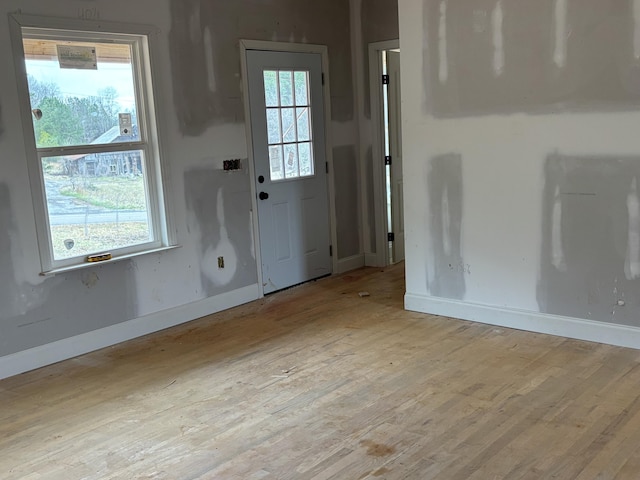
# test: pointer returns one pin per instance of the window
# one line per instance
(288, 124)
(94, 163)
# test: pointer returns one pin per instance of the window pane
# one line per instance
(93, 103)
(286, 89)
(275, 160)
(306, 159)
(270, 88)
(96, 203)
(302, 88)
(288, 125)
(273, 125)
(291, 161)
(302, 115)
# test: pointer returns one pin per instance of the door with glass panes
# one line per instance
(287, 121)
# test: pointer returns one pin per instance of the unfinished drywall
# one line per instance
(590, 262)
(379, 23)
(35, 314)
(539, 100)
(219, 203)
(205, 52)
(346, 177)
(370, 200)
(489, 56)
(196, 77)
(447, 270)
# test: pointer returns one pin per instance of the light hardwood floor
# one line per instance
(316, 383)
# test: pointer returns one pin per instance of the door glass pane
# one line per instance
(286, 88)
(96, 202)
(291, 161)
(302, 88)
(306, 159)
(288, 125)
(271, 88)
(273, 126)
(275, 161)
(302, 115)
(81, 93)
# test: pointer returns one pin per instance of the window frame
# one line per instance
(140, 39)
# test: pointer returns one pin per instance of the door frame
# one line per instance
(377, 139)
(289, 48)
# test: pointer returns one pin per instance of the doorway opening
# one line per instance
(384, 66)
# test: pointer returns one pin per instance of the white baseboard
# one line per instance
(50, 353)
(372, 260)
(350, 263)
(590, 330)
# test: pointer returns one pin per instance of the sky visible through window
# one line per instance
(87, 83)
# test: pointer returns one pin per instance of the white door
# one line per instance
(287, 122)
(395, 148)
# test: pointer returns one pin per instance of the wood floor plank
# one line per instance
(317, 382)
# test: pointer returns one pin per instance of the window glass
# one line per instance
(96, 152)
(92, 105)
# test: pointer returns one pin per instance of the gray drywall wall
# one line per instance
(446, 275)
(219, 203)
(540, 102)
(206, 60)
(487, 57)
(196, 68)
(379, 23)
(590, 259)
(62, 306)
(346, 177)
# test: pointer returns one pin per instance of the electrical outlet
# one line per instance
(220, 262)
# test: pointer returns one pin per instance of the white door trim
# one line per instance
(292, 48)
(377, 140)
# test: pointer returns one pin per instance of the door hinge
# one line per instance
(322, 78)
(326, 167)
(387, 160)
(331, 250)
(391, 237)
(385, 79)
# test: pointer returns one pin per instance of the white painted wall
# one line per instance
(504, 153)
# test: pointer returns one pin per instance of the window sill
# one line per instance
(80, 266)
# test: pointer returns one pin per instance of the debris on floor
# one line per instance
(364, 294)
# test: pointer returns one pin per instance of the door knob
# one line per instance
(263, 195)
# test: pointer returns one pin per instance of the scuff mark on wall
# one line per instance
(446, 270)
(561, 34)
(632, 262)
(557, 251)
(591, 206)
(347, 200)
(539, 57)
(443, 63)
(220, 204)
(636, 29)
(205, 56)
(497, 17)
